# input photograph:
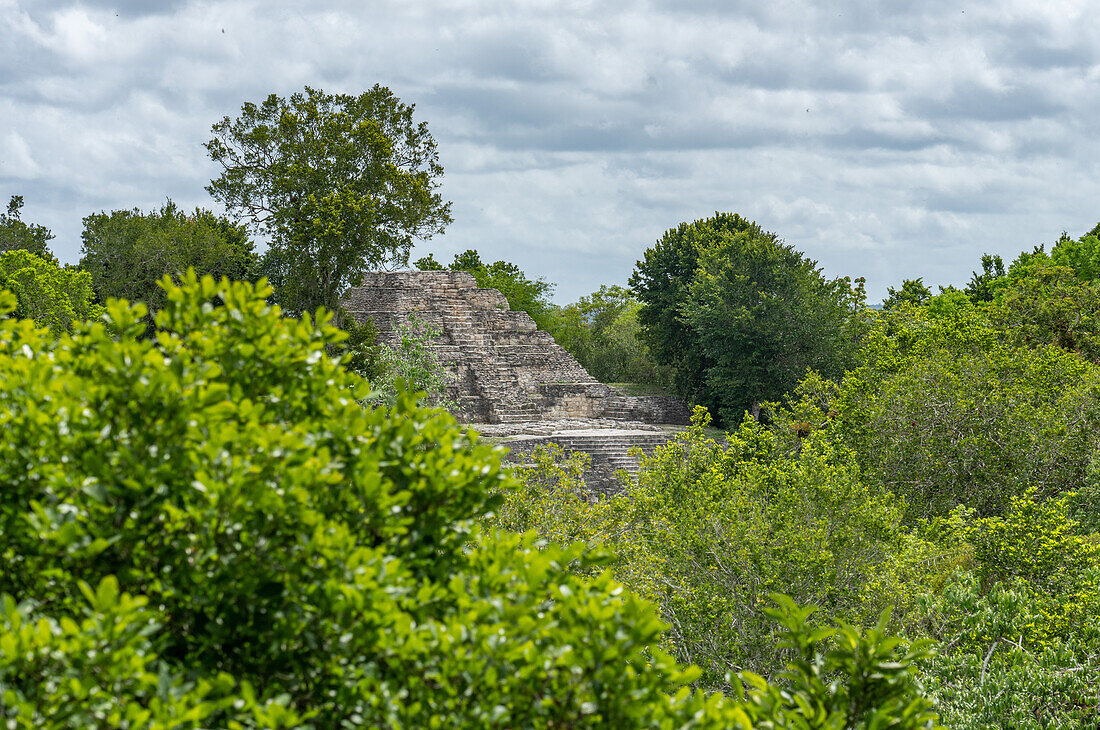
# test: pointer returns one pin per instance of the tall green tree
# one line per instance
(127, 252)
(981, 287)
(661, 280)
(1046, 298)
(15, 235)
(338, 184)
(740, 315)
(765, 315)
(913, 291)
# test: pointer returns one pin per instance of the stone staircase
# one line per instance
(503, 373)
(609, 450)
(500, 367)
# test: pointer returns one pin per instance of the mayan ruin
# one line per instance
(511, 381)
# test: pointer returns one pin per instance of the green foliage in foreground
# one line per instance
(203, 528)
(877, 687)
(54, 297)
(1019, 623)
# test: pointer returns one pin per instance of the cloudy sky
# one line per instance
(885, 138)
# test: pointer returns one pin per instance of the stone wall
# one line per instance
(609, 452)
(500, 367)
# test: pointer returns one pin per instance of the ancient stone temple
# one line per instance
(500, 368)
(510, 379)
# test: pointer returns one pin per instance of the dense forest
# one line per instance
(226, 505)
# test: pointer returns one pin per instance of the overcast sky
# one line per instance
(884, 138)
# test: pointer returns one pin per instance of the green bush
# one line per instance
(1018, 620)
(709, 529)
(941, 412)
(841, 677)
(410, 363)
(276, 555)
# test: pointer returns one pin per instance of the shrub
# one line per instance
(1022, 648)
(709, 529)
(942, 413)
(276, 555)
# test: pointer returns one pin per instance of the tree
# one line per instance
(913, 291)
(602, 332)
(15, 235)
(982, 287)
(1080, 254)
(708, 529)
(53, 296)
(338, 184)
(944, 412)
(1050, 305)
(409, 364)
(661, 280)
(128, 252)
(739, 315)
(523, 294)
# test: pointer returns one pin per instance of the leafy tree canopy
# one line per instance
(913, 291)
(1050, 305)
(981, 287)
(661, 281)
(602, 332)
(740, 315)
(15, 235)
(338, 184)
(943, 411)
(53, 296)
(708, 528)
(128, 252)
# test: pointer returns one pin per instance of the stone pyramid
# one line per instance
(500, 367)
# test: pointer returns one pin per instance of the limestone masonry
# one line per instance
(500, 369)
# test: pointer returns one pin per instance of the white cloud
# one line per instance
(15, 157)
(574, 133)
